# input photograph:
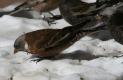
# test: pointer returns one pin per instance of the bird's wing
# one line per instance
(91, 10)
(59, 39)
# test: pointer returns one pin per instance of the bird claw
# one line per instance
(37, 59)
(49, 20)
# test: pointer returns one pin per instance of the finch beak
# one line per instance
(15, 51)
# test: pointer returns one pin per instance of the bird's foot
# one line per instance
(38, 59)
(51, 20)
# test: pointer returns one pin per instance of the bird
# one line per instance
(21, 8)
(25, 6)
(76, 11)
(66, 6)
(47, 43)
(115, 24)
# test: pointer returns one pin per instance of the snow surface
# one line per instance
(89, 1)
(20, 67)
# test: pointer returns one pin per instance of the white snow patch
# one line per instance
(89, 1)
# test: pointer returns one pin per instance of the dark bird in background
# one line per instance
(115, 24)
(66, 8)
(22, 10)
(6, 3)
(76, 11)
(50, 42)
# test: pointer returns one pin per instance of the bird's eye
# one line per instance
(16, 46)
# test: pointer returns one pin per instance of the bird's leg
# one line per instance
(51, 13)
(50, 20)
(47, 19)
(56, 17)
(38, 58)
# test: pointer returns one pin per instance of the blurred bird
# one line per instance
(66, 7)
(50, 42)
(20, 10)
(25, 6)
(71, 11)
(115, 24)
(76, 11)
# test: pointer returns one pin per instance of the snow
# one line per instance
(20, 67)
(89, 1)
